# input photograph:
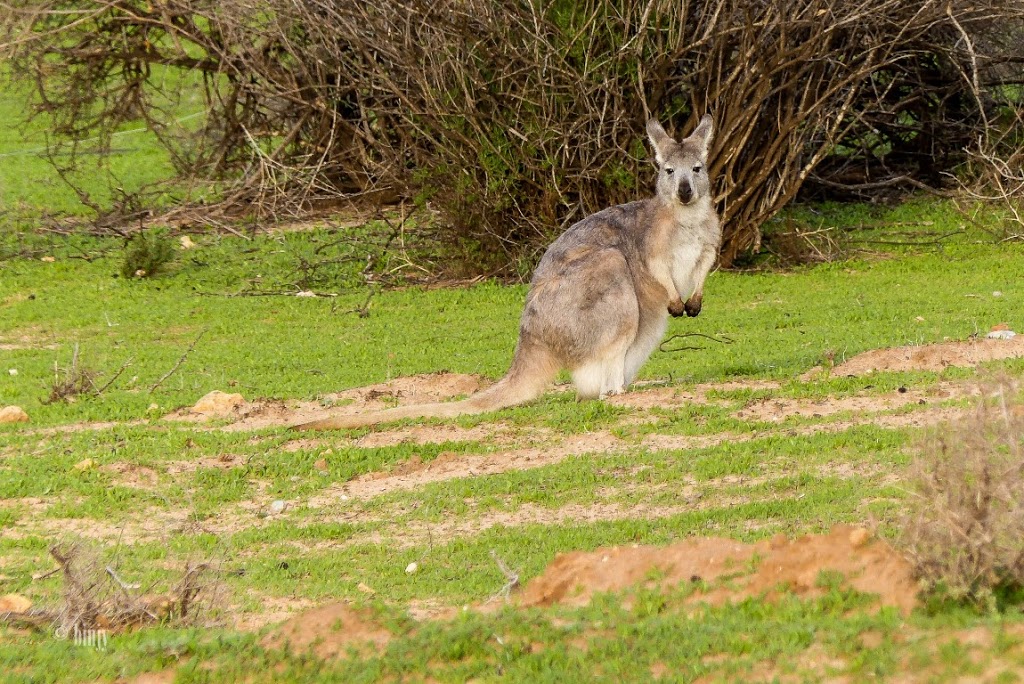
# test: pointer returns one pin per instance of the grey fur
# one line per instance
(600, 298)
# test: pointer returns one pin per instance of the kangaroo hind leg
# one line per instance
(603, 376)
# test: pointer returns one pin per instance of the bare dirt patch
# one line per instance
(929, 357)
(778, 409)
(132, 474)
(329, 631)
(274, 609)
(225, 461)
(28, 338)
(869, 566)
(671, 397)
(164, 677)
(437, 434)
(415, 389)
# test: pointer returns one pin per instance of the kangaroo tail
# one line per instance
(525, 381)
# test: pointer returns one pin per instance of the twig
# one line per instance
(512, 577)
(45, 575)
(721, 339)
(178, 364)
(116, 375)
(120, 582)
(364, 310)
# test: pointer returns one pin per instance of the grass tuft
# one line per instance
(147, 254)
(965, 528)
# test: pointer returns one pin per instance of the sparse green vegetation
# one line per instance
(159, 493)
(725, 440)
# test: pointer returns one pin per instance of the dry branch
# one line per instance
(177, 364)
(515, 118)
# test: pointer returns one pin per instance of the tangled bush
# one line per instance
(965, 526)
(515, 118)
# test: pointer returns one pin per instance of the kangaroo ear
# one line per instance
(660, 139)
(704, 132)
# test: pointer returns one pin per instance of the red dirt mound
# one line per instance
(330, 631)
(869, 566)
(932, 357)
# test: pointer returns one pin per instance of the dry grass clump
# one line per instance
(97, 600)
(965, 528)
(71, 382)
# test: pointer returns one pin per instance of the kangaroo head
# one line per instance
(682, 166)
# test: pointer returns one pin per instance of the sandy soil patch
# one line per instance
(132, 475)
(671, 397)
(928, 357)
(869, 566)
(778, 409)
(27, 338)
(416, 389)
(437, 434)
(329, 631)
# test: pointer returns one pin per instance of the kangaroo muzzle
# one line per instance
(685, 192)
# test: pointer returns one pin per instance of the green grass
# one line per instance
(161, 493)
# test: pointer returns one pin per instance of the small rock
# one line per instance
(12, 371)
(411, 568)
(919, 319)
(859, 537)
(14, 603)
(366, 589)
(277, 507)
(305, 293)
(321, 465)
(997, 293)
(13, 414)
(186, 242)
(218, 404)
(85, 464)
(48, 259)
(154, 407)
(1001, 335)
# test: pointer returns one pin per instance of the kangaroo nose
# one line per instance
(685, 192)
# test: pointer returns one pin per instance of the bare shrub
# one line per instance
(96, 600)
(72, 382)
(965, 527)
(515, 118)
(79, 380)
(996, 180)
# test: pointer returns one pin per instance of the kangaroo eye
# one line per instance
(669, 171)
(698, 168)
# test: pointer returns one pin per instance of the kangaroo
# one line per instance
(599, 301)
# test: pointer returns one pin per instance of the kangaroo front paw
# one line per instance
(677, 308)
(693, 306)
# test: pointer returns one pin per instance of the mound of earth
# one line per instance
(761, 569)
(329, 631)
(932, 357)
(415, 389)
